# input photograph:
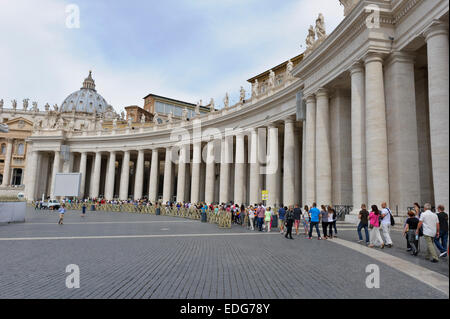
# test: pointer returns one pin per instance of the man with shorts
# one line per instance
(297, 217)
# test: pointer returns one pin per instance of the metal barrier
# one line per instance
(342, 210)
(222, 218)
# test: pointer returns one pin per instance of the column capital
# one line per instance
(357, 67)
(373, 56)
(401, 56)
(437, 27)
(322, 93)
(310, 98)
(289, 120)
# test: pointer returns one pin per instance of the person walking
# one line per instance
(268, 218)
(430, 223)
(314, 214)
(62, 211)
(386, 224)
(289, 224)
(83, 210)
(441, 240)
(281, 217)
(297, 217)
(324, 217)
(260, 212)
(363, 224)
(331, 221)
(374, 226)
(251, 216)
(410, 232)
(306, 219)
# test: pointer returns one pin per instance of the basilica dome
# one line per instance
(86, 100)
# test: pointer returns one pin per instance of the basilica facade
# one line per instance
(360, 117)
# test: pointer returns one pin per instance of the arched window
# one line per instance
(3, 150)
(21, 149)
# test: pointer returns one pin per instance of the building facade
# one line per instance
(374, 128)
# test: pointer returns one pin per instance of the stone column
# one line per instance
(167, 188)
(110, 177)
(7, 166)
(255, 177)
(181, 184)
(273, 168)
(340, 138)
(358, 131)
(377, 167)
(210, 173)
(403, 149)
(438, 82)
(125, 176)
(32, 185)
(154, 171)
(83, 163)
(196, 161)
(139, 179)
(55, 170)
(289, 163)
(226, 155)
(309, 156)
(239, 170)
(323, 156)
(68, 165)
(96, 178)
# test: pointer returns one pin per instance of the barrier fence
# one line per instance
(222, 218)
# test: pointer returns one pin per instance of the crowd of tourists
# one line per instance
(433, 227)
(376, 223)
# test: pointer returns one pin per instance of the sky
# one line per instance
(188, 50)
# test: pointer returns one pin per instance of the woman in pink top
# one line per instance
(374, 226)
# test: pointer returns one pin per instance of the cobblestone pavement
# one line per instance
(165, 257)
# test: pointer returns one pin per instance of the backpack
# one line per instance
(392, 217)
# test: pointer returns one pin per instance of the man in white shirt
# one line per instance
(430, 223)
(386, 224)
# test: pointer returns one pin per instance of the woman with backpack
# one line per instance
(374, 226)
(410, 232)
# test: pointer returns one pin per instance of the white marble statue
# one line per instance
(212, 105)
(47, 107)
(114, 122)
(241, 95)
(226, 101)
(197, 107)
(271, 79)
(55, 107)
(143, 119)
(170, 117)
(289, 68)
(320, 27)
(155, 118)
(184, 115)
(14, 104)
(1, 104)
(25, 104)
(130, 122)
(255, 87)
(311, 38)
(35, 107)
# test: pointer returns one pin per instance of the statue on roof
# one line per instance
(320, 27)
(143, 119)
(25, 104)
(155, 118)
(47, 107)
(184, 115)
(212, 104)
(226, 101)
(55, 107)
(242, 95)
(35, 107)
(1, 104)
(14, 104)
(271, 79)
(255, 87)
(311, 38)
